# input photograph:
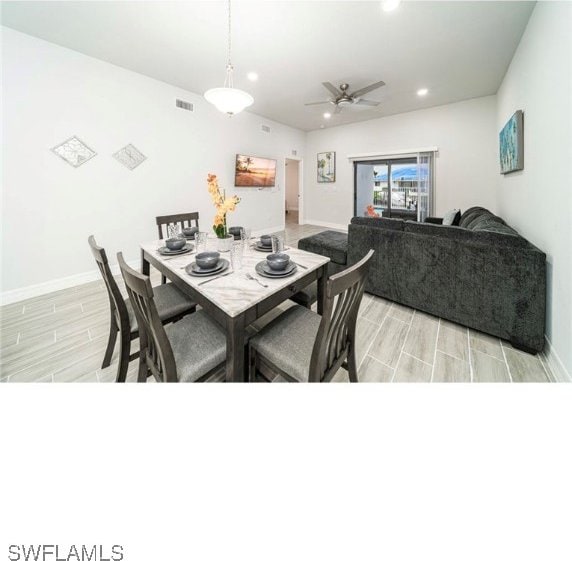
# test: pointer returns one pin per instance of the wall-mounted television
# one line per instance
(251, 171)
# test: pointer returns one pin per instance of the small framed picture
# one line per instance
(326, 167)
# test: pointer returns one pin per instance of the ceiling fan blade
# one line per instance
(367, 89)
(331, 88)
(318, 102)
(338, 109)
(367, 102)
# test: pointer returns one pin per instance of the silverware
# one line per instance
(215, 278)
(299, 265)
(250, 277)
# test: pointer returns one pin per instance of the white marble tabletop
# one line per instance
(235, 293)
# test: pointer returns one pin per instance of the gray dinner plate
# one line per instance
(195, 271)
(264, 270)
(166, 251)
(259, 247)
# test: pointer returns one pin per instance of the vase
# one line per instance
(224, 244)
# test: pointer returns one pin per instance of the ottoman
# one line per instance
(329, 243)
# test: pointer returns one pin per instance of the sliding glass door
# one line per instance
(386, 188)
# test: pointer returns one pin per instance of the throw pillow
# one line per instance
(451, 217)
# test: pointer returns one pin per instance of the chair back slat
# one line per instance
(155, 347)
(116, 302)
(338, 324)
(186, 220)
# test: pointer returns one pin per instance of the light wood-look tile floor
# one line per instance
(61, 337)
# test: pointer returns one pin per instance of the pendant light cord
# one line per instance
(228, 82)
(229, 34)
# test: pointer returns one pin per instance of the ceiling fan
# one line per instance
(342, 98)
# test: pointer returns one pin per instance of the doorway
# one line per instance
(292, 197)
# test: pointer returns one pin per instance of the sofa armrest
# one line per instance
(433, 220)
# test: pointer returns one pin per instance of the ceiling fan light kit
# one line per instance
(229, 99)
(343, 98)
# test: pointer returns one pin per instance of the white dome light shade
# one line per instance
(390, 5)
(229, 100)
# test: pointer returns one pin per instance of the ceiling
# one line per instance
(458, 50)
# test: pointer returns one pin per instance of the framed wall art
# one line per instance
(511, 144)
(74, 151)
(326, 163)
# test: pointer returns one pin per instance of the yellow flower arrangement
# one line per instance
(222, 204)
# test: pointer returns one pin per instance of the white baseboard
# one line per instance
(19, 294)
(331, 225)
(557, 368)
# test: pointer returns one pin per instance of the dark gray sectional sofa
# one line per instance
(481, 274)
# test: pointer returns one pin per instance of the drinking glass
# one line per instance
(277, 242)
(201, 241)
(236, 254)
(174, 231)
(245, 235)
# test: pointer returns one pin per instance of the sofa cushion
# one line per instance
(451, 216)
(472, 214)
(501, 238)
(328, 243)
(389, 223)
(492, 224)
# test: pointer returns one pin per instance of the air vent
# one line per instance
(186, 105)
(265, 128)
(294, 152)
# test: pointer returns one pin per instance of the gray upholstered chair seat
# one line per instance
(307, 296)
(198, 344)
(170, 302)
(288, 341)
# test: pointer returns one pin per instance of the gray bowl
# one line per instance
(190, 232)
(266, 240)
(278, 261)
(235, 231)
(175, 243)
(207, 259)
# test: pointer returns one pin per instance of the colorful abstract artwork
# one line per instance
(511, 144)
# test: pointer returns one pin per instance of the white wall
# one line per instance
(292, 184)
(49, 208)
(538, 200)
(466, 167)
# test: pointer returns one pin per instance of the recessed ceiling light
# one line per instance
(252, 76)
(389, 5)
(422, 91)
(327, 115)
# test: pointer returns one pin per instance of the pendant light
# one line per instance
(228, 99)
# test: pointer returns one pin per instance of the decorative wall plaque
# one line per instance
(129, 156)
(74, 151)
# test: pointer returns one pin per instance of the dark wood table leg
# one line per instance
(145, 266)
(235, 349)
(322, 288)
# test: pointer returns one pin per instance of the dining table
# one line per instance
(234, 300)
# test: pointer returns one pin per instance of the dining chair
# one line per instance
(191, 350)
(301, 346)
(186, 220)
(171, 303)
